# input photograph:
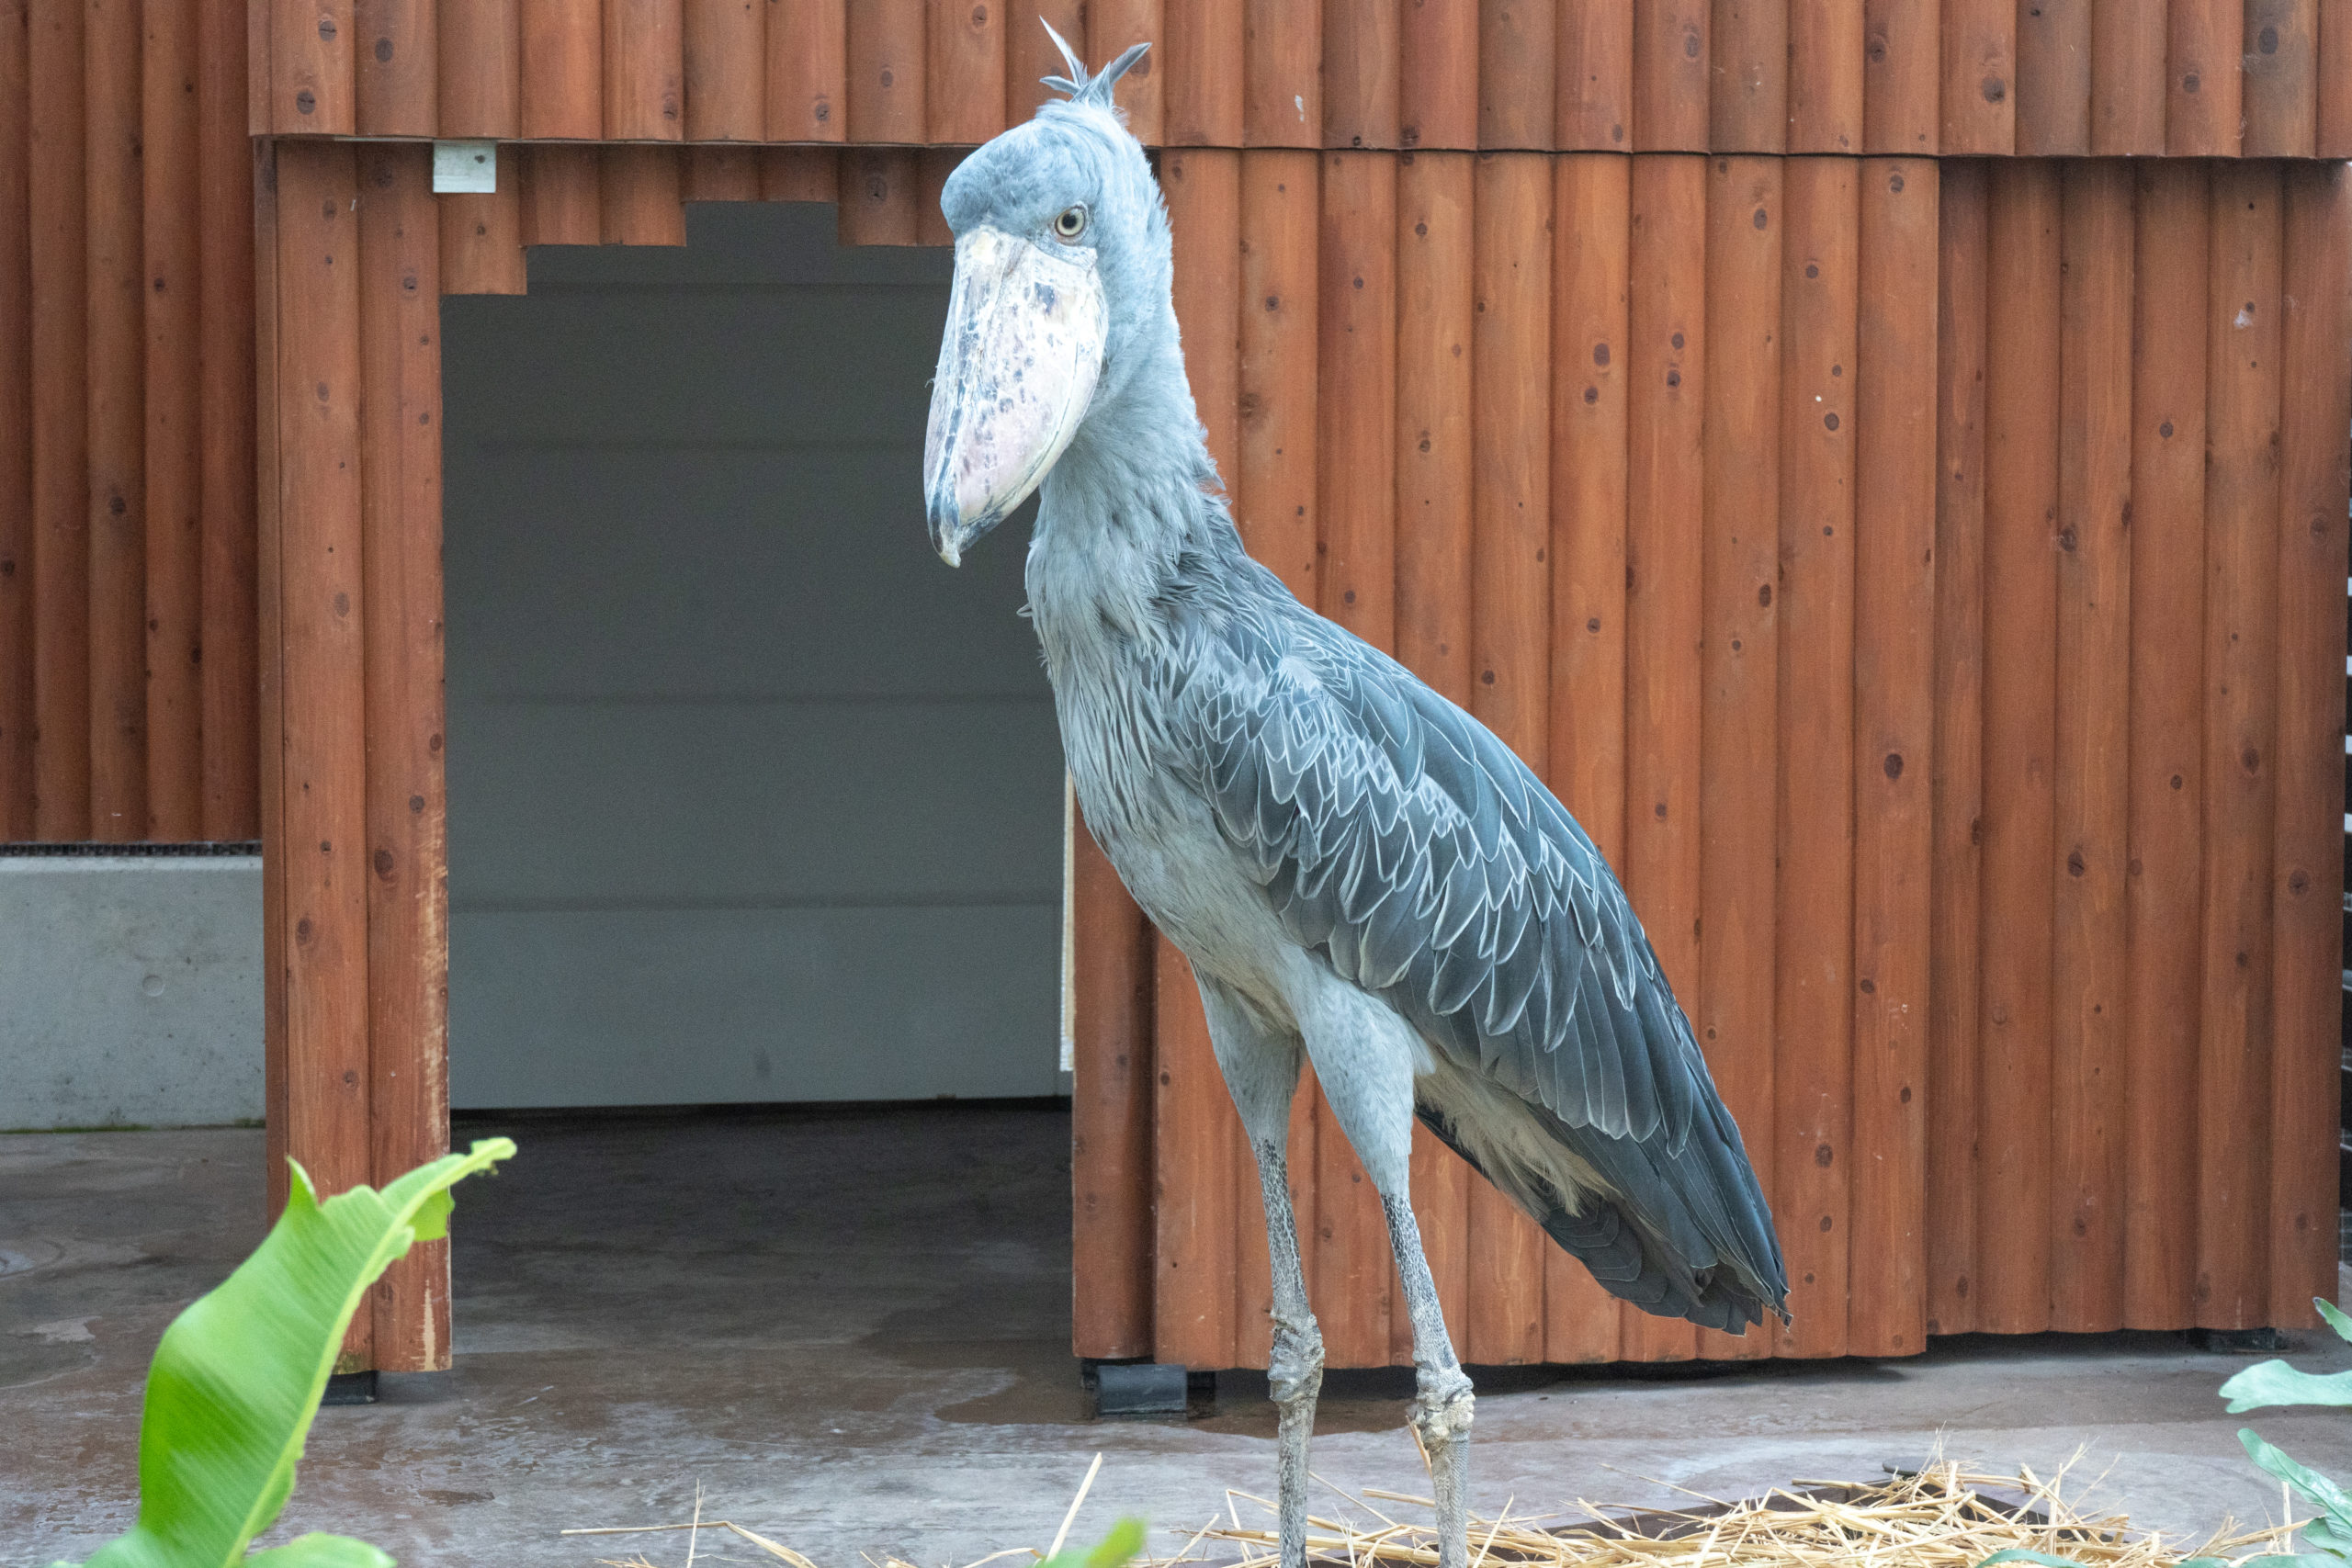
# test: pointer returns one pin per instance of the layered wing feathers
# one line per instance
(1397, 836)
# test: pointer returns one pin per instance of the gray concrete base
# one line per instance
(852, 1331)
(129, 990)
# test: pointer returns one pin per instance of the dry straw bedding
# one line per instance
(1945, 1516)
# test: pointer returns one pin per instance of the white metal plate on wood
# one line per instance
(465, 169)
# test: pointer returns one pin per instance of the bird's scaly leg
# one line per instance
(1295, 1371)
(1441, 1409)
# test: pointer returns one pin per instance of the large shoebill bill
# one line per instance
(1355, 867)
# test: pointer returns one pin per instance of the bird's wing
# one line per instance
(1394, 833)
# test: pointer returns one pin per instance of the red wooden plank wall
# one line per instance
(1835, 652)
(127, 612)
(2202, 78)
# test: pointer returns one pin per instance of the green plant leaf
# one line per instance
(237, 1378)
(2335, 1527)
(2335, 1320)
(2275, 1382)
(1125, 1540)
(2020, 1554)
(316, 1551)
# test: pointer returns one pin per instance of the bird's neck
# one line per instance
(1130, 507)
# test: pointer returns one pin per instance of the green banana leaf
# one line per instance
(2276, 1383)
(2334, 1527)
(1123, 1542)
(239, 1374)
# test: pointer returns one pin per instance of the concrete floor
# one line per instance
(852, 1331)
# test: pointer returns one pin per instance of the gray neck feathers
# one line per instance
(1128, 508)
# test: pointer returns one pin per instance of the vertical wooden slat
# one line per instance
(2127, 77)
(800, 174)
(964, 99)
(2168, 744)
(1111, 1100)
(1748, 60)
(2205, 92)
(1670, 66)
(1902, 106)
(117, 496)
(562, 69)
(1110, 27)
(2053, 77)
(269, 685)
(1826, 45)
(716, 174)
(1360, 75)
(1201, 101)
(225, 254)
(885, 70)
(1282, 76)
(1664, 513)
(396, 67)
(1517, 55)
(1591, 225)
(808, 70)
(1198, 1150)
(1961, 262)
(16, 433)
(481, 67)
(2089, 962)
(321, 831)
(1895, 659)
(2241, 724)
(407, 880)
(313, 91)
(1201, 1207)
(1274, 490)
(169, 136)
(2021, 393)
(933, 166)
(1813, 1002)
(1594, 77)
(1739, 658)
(1029, 56)
(562, 196)
(1432, 579)
(482, 235)
(879, 191)
(1510, 417)
(724, 47)
(643, 199)
(2307, 879)
(1979, 64)
(645, 85)
(2334, 82)
(2281, 78)
(61, 412)
(1354, 1282)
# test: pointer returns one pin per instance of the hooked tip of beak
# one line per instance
(949, 553)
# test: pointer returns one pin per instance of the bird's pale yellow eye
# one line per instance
(1071, 223)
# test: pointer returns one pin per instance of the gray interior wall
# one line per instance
(750, 798)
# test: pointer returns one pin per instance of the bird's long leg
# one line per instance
(1442, 1407)
(1295, 1371)
(1261, 1067)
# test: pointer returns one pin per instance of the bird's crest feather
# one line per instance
(1082, 88)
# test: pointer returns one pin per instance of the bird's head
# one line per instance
(1061, 252)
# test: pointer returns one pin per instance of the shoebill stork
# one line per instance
(1359, 872)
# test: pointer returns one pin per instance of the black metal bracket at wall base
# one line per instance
(2238, 1341)
(350, 1388)
(1145, 1388)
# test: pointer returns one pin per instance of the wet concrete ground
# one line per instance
(852, 1331)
